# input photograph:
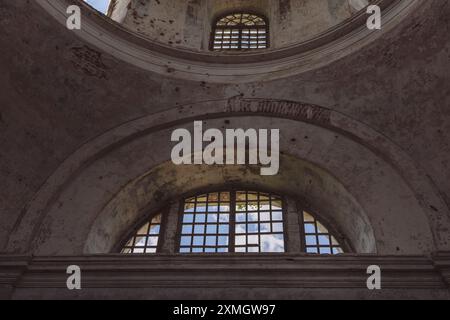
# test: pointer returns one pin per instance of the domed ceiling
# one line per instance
(173, 37)
(187, 24)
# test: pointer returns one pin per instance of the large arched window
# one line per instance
(240, 31)
(237, 221)
(234, 221)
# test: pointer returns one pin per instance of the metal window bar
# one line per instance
(146, 239)
(254, 222)
(241, 31)
(316, 237)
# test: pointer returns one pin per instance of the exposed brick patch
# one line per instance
(287, 109)
(89, 61)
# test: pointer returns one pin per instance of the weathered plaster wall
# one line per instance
(59, 93)
(188, 24)
(118, 10)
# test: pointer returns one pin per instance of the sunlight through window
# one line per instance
(240, 31)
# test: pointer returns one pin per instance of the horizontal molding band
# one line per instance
(227, 271)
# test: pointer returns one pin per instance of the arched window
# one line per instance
(240, 31)
(317, 238)
(238, 221)
(234, 222)
(146, 238)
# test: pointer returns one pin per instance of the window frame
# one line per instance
(232, 223)
(147, 217)
(215, 27)
(148, 213)
(329, 225)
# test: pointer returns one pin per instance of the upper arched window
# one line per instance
(234, 222)
(240, 31)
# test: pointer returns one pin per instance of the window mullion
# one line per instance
(232, 230)
(294, 241)
(301, 219)
(172, 227)
(240, 39)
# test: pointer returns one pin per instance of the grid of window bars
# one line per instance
(259, 223)
(206, 223)
(242, 221)
(240, 31)
(239, 221)
(318, 240)
(146, 239)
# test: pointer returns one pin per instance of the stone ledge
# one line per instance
(234, 276)
(272, 270)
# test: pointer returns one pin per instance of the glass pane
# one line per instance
(144, 229)
(264, 228)
(209, 223)
(152, 241)
(308, 217)
(155, 229)
(310, 228)
(311, 240)
(211, 229)
(240, 228)
(213, 197)
(187, 229)
(211, 241)
(312, 250)
(145, 239)
(199, 229)
(324, 240)
(277, 216)
(252, 216)
(200, 218)
(213, 207)
(252, 228)
(186, 241)
(318, 239)
(212, 218)
(265, 216)
(272, 243)
(321, 228)
(241, 240)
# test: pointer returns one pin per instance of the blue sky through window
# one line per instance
(100, 5)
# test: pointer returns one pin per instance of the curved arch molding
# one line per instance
(322, 50)
(386, 194)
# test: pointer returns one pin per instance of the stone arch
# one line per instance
(397, 201)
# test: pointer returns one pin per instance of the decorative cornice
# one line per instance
(11, 268)
(231, 270)
(441, 262)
